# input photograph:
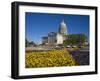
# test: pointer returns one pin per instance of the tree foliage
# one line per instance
(29, 43)
(26, 42)
(75, 39)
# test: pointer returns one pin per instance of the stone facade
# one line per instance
(54, 38)
(44, 40)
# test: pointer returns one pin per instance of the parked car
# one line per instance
(74, 46)
(68, 46)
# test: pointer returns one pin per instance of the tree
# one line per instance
(32, 43)
(75, 39)
(29, 43)
(26, 42)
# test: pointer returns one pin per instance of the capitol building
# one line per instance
(56, 38)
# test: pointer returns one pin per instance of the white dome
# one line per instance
(63, 24)
(63, 28)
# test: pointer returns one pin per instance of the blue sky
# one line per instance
(38, 25)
